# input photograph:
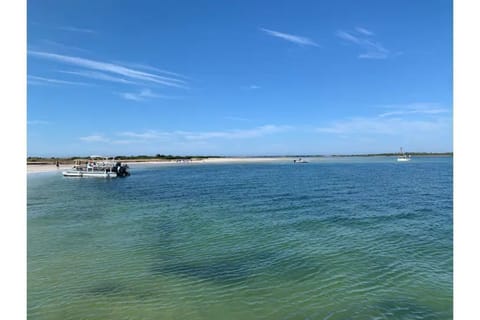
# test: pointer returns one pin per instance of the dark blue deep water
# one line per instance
(337, 238)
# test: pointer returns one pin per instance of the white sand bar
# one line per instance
(36, 168)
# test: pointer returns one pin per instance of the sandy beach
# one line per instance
(38, 168)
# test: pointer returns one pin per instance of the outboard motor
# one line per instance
(122, 170)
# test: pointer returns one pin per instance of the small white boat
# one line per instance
(106, 168)
(300, 160)
(403, 156)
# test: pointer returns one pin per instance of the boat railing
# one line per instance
(105, 165)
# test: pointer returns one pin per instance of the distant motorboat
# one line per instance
(403, 156)
(300, 160)
(105, 168)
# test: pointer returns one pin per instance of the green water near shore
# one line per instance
(359, 238)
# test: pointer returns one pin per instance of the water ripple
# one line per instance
(332, 240)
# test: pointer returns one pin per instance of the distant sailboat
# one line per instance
(403, 156)
(300, 160)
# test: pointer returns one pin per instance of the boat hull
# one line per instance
(86, 174)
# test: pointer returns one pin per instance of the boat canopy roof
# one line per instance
(101, 157)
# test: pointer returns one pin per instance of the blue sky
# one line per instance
(238, 77)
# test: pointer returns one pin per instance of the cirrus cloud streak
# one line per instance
(290, 37)
(153, 135)
(113, 69)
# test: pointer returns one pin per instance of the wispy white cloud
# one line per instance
(131, 96)
(290, 37)
(147, 135)
(99, 76)
(142, 95)
(427, 117)
(190, 142)
(250, 87)
(95, 138)
(75, 29)
(116, 69)
(61, 46)
(385, 126)
(42, 81)
(187, 136)
(154, 69)
(235, 134)
(364, 31)
(418, 108)
(348, 37)
(362, 38)
(408, 112)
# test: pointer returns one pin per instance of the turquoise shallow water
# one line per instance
(337, 238)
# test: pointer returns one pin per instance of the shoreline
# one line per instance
(47, 167)
(50, 167)
(39, 168)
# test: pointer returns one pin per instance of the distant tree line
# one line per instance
(395, 154)
(122, 157)
(162, 157)
(40, 160)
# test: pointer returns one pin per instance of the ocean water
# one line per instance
(337, 238)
